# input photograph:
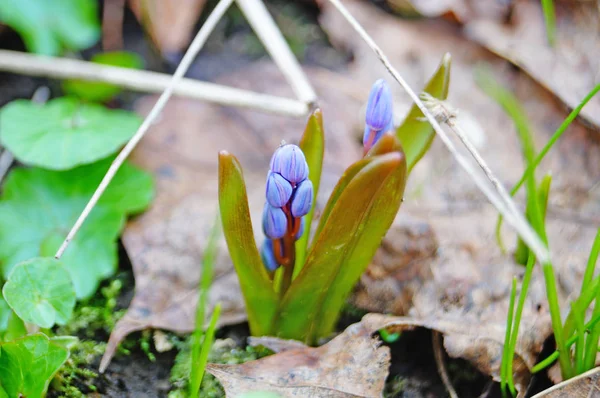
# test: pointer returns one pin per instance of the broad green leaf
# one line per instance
(40, 291)
(5, 312)
(96, 91)
(343, 248)
(386, 144)
(27, 365)
(38, 207)
(64, 133)
(313, 146)
(50, 26)
(416, 134)
(260, 298)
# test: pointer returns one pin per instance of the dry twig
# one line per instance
(438, 352)
(516, 220)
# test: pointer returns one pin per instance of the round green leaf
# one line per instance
(64, 133)
(98, 91)
(38, 207)
(40, 291)
(49, 26)
(28, 365)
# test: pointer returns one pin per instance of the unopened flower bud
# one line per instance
(379, 118)
(268, 256)
(274, 222)
(279, 190)
(289, 161)
(302, 199)
(300, 229)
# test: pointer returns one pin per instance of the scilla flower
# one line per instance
(289, 195)
(379, 118)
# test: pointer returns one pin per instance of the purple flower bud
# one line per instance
(301, 229)
(268, 256)
(274, 222)
(302, 199)
(279, 190)
(289, 161)
(379, 118)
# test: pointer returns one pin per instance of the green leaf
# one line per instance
(5, 312)
(38, 207)
(50, 26)
(64, 133)
(416, 134)
(40, 291)
(27, 365)
(313, 146)
(260, 298)
(362, 214)
(96, 91)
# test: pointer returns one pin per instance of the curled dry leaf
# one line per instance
(169, 23)
(570, 69)
(353, 364)
(586, 385)
(459, 10)
(481, 344)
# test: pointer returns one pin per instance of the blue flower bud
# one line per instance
(268, 256)
(279, 190)
(302, 199)
(379, 118)
(289, 161)
(274, 222)
(301, 229)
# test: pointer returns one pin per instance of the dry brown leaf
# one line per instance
(353, 364)
(586, 385)
(459, 10)
(466, 337)
(169, 23)
(570, 70)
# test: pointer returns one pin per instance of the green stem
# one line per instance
(505, 369)
(580, 341)
(551, 291)
(592, 340)
(550, 20)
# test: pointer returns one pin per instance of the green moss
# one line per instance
(394, 387)
(75, 374)
(223, 351)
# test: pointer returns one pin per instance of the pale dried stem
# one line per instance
(185, 63)
(269, 34)
(146, 81)
(516, 220)
(438, 353)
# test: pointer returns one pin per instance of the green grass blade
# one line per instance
(594, 337)
(578, 314)
(313, 146)
(259, 295)
(550, 21)
(416, 134)
(505, 374)
(198, 368)
(346, 244)
(208, 261)
(557, 134)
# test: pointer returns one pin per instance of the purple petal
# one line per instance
(279, 190)
(379, 106)
(302, 199)
(289, 161)
(268, 256)
(274, 222)
(301, 229)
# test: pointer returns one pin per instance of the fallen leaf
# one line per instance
(170, 23)
(459, 10)
(324, 371)
(569, 70)
(586, 385)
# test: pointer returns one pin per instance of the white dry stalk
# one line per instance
(269, 34)
(147, 81)
(516, 220)
(445, 113)
(185, 63)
